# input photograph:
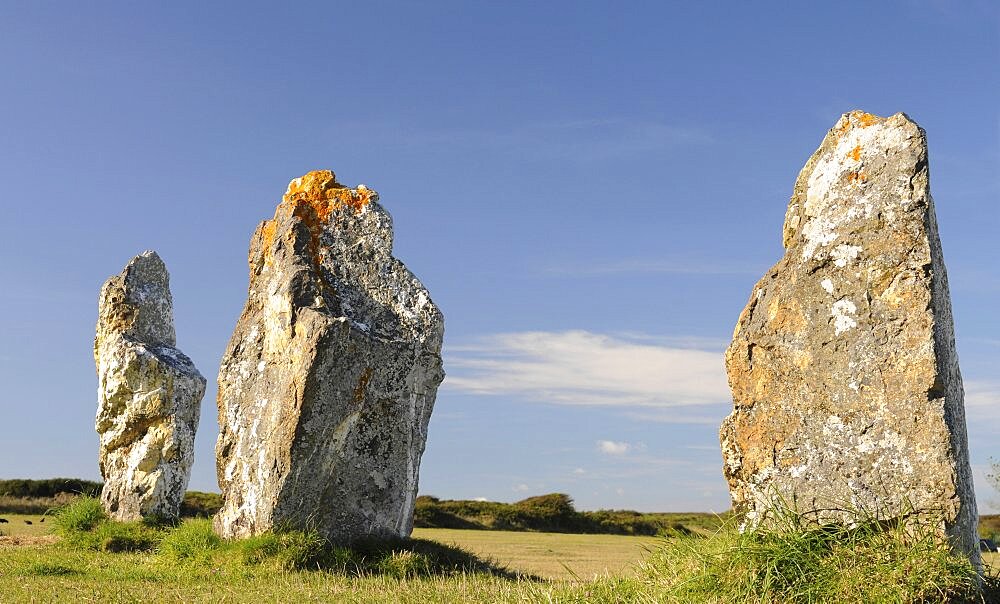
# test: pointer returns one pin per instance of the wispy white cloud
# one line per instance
(584, 368)
(610, 447)
(982, 399)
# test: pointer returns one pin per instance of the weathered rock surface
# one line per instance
(148, 396)
(326, 389)
(843, 368)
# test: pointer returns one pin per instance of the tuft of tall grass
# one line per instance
(83, 524)
(193, 540)
(867, 560)
(80, 515)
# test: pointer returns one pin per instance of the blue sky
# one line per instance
(589, 191)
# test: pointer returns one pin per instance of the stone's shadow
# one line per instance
(991, 590)
(410, 558)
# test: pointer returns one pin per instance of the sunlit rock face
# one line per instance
(327, 386)
(846, 387)
(148, 397)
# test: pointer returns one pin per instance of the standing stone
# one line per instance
(148, 395)
(843, 368)
(326, 389)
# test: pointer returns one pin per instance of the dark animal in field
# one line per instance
(3, 521)
(27, 522)
(42, 520)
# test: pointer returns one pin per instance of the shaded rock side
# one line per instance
(845, 380)
(148, 396)
(327, 386)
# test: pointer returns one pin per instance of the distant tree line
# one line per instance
(26, 496)
(49, 487)
(552, 513)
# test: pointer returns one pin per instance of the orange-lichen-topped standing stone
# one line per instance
(327, 386)
(148, 395)
(847, 394)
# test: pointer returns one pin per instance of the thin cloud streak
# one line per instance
(584, 368)
(642, 267)
(982, 399)
(610, 447)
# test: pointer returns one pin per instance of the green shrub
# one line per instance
(22, 487)
(83, 524)
(192, 540)
(197, 504)
(554, 513)
(80, 515)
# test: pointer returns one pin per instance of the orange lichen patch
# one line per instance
(359, 392)
(856, 118)
(865, 119)
(761, 438)
(857, 178)
(314, 199)
(321, 191)
(786, 316)
(855, 153)
(267, 240)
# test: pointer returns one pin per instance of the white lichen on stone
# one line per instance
(149, 395)
(843, 254)
(841, 311)
(328, 432)
(857, 401)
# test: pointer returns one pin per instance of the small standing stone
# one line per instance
(326, 389)
(843, 368)
(148, 397)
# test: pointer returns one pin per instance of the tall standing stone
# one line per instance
(148, 396)
(326, 389)
(843, 368)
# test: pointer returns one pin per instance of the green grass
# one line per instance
(80, 516)
(553, 556)
(871, 562)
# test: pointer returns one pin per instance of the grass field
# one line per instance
(33, 568)
(553, 556)
(551, 568)
(549, 555)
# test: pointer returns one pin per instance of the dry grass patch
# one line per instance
(558, 556)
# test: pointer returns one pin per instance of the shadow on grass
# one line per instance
(991, 590)
(405, 558)
(194, 542)
(83, 525)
